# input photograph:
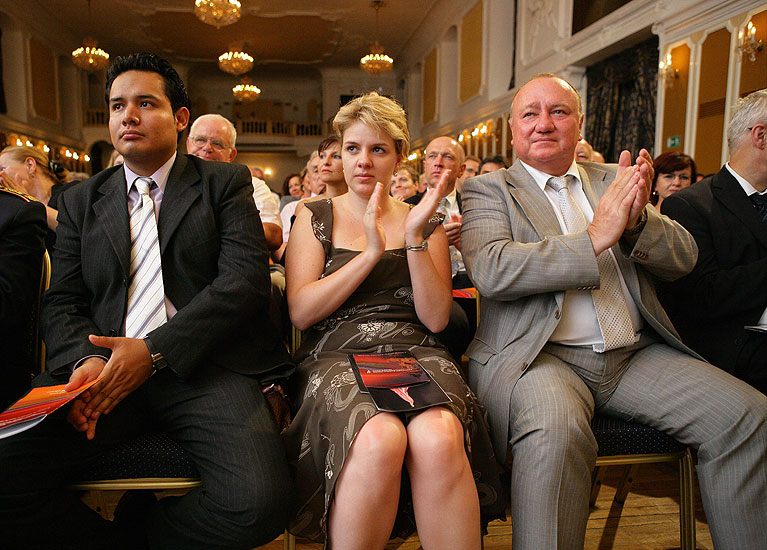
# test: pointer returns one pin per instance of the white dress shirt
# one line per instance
(578, 325)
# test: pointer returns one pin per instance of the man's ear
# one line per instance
(182, 118)
(232, 154)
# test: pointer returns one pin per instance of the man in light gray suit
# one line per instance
(564, 255)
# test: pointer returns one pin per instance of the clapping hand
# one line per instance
(371, 221)
(11, 182)
(420, 215)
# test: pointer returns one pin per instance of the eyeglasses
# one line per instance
(217, 144)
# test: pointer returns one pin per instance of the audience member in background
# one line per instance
(491, 164)
(22, 243)
(673, 171)
(289, 210)
(115, 158)
(331, 171)
(29, 171)
(213, 137)
(362, 279)
(422, 184)
(306, 177)
(564, 256)
(727, 215)
(472, 169)
(445, 155)
(403, 182)
(596, 156)
(291, 189)
(160, 287)
(583, 151)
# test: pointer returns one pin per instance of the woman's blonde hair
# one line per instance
(20, 153)
(379, 113)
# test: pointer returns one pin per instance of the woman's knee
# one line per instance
(381, 442)
(436, 441)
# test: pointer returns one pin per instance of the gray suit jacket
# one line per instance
(521, 264)
(214, 265)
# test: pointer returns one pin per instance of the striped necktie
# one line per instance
(610, 304)
(146, 294)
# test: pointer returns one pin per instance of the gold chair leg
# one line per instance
(686, 502)
(99, 503)
(288, 541)
(597, 476)
(625, 484)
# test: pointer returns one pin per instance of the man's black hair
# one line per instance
(498, 159)
(174, 86)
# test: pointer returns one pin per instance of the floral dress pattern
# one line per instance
(379, 317)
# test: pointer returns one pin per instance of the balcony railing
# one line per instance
(245, 127)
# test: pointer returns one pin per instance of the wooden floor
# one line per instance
(648, 520)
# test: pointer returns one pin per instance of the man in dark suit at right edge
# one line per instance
(727, 215)
(160, 285)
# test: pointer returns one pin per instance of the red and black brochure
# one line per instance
(396, 381)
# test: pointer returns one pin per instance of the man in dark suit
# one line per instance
(564, 256)
(727, 215)
(179, 355)
(22, 244)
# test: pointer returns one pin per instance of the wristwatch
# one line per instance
(639, 225)
(158, 360)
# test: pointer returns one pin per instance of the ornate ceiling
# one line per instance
(284, 36)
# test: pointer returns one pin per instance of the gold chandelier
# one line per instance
(245, 92)
(376, 62)
(218, 13)
(235, 62)
(89, 56)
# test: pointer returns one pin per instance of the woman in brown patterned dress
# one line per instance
(366, 273)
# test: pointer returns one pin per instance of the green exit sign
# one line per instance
(673, 141)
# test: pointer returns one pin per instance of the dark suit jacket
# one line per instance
(22, 233)
(214, 265)
(728, 287)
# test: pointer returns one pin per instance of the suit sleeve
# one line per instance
(713, 290)
(22, 243)
(664, 247)
(238, 294)
(503, 267)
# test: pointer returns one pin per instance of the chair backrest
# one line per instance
(45, 281)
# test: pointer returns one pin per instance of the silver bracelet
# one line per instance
(423, 246)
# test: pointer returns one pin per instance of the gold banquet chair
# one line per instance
(630, 444)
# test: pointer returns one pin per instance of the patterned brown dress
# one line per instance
(378, 317)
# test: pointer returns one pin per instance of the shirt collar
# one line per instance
(450, 197)
(160, 177)
(542, 177)
(747, 187)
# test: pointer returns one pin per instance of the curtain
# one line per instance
(620, 104)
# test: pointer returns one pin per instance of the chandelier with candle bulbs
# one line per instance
(235, 62)
(376, 62)
(246, 92)
(89, 56)
(218, 13)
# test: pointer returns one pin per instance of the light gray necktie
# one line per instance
(146, 294)
(610, 304)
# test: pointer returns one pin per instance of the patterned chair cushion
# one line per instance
(618, 437)
(151, 455)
